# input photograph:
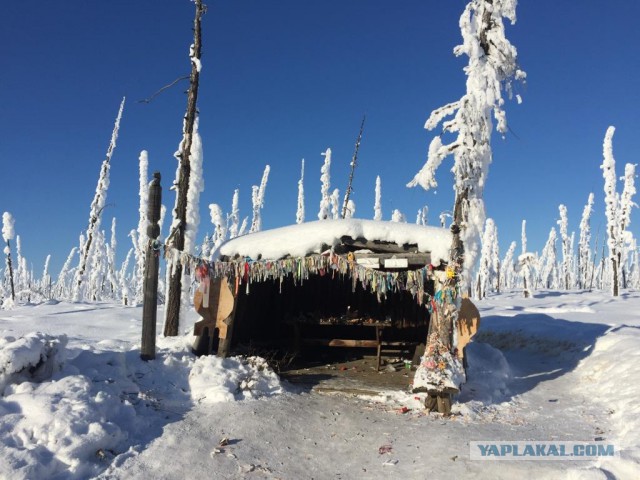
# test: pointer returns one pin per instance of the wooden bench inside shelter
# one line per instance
(376, 341)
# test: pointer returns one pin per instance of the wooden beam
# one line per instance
(378, 246)
(339, 342)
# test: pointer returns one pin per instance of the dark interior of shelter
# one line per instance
(326, 311)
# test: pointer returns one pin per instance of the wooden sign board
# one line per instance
(217, 309)
(396, 263)
(468, 324)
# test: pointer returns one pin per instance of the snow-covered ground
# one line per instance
(77, 402)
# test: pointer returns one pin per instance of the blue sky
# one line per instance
(283, 80)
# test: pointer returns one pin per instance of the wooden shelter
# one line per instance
(338, 283)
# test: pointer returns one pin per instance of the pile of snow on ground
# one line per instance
(214, 379)
(73, 418)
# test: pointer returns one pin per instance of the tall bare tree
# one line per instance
(176, 237)
(354, 160)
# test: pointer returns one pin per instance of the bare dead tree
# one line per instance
(354, 159)
(177, 235)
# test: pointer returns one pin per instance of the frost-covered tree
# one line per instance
(20, 273)
(526, 268)
(325, 181)
(526, 264)
(377, 205)
(233, 219)
(257, 199)
(611, 206)
(508, 267)
(334, 200)
(300, 209)
(97, 206)
(487, 271)
(572, 256)
(125, 288)
(617, 210)
(8, 234)
(111, 259)
(491, 70)
(421, 218)
(142, 237)
(189, 232)
(61, 289)
(548, 271)
(495, 259)
(45, 281)
(565, 267)
(219, 225)
(163, 214)
(350, 211)
(398, 217)
(626, 204)
(584, 245)
(97, 267)
(205, 247)
(185, 212)
(634, 266)
(243, 226)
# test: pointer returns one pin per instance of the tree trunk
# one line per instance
(614, 276)
(10, 268)
(172, 323)
(345, 205)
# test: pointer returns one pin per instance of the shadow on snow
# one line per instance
(512, 355)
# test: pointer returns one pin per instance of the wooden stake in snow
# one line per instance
(345, 204)
(176, 238)
(150, 303)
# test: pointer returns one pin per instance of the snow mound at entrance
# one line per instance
(34, 357)
(214, 379)
(488, 373)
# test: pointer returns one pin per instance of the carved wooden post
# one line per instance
(150, 305)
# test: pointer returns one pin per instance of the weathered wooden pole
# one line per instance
(150, 305)
(177, 235)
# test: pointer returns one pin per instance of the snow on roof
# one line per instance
(310, 237)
